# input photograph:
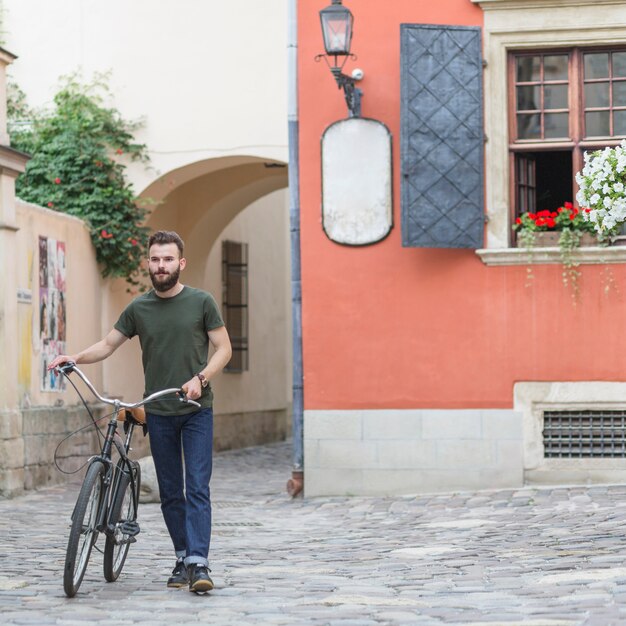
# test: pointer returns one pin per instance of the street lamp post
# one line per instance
(337, 22)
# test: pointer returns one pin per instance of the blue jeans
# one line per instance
(186, 504)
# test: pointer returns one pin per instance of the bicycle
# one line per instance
(109, 496)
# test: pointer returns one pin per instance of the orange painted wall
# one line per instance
(392, 327)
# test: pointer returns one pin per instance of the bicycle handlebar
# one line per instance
(70, 366)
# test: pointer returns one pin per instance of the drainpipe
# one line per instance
(296, 482)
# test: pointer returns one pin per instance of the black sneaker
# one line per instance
(199, 579)
(180, 576)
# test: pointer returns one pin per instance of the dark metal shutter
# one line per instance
(235, 302)
(442, 137)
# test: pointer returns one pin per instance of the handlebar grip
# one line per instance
(67, 367)
(182, 396)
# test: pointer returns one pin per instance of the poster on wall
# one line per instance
(51, 309)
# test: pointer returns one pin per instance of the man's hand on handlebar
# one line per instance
(61, 360)
(193, 388)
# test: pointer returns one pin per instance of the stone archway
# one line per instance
(200, 201)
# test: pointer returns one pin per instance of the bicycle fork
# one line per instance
(128, 528)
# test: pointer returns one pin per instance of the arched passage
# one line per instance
(242, 197)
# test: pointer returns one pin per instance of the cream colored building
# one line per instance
(209, 81)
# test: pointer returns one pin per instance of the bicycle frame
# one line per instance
(111, 481)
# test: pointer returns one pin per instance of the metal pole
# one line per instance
(295, 483)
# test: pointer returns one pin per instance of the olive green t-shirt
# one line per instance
(174, 342)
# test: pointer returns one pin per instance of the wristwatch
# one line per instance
(203, 381)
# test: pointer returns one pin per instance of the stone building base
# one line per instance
(241, 430)
(395, 452)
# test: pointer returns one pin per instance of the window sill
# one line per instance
(587, 255)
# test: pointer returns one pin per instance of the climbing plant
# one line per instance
(79, 150)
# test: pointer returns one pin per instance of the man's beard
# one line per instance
(165, 284)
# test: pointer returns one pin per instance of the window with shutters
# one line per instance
(544, 106)
(235, 301)
(561, 103)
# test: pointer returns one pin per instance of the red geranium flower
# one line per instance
(568, 205)
(50, 204)
(119, 151)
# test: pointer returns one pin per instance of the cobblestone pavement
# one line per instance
(537, 557)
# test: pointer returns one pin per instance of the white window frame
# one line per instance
(532, 24)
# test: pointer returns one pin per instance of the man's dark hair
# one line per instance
(167, 236)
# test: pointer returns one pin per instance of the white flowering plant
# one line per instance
(602, 188)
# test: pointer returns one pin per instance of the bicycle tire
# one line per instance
(124, 508)
(83, 533)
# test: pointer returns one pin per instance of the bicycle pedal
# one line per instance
(129, 528)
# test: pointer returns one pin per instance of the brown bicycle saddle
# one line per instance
(139, 414)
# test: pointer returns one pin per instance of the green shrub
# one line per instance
(76, 168)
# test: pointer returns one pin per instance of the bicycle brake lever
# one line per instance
(182, 396)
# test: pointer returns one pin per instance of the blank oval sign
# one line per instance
(356, 181)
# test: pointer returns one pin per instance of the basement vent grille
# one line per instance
(584, 434)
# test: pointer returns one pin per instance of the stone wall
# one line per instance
(240, 430)
(394, 452)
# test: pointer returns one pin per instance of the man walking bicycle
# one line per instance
(175, 325)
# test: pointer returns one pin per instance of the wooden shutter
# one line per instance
(442, 137)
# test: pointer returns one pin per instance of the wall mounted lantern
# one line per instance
(337, 22)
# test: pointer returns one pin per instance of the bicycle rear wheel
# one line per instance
(83, 533)
(124, 509)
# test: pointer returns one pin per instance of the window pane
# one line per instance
(528, 69)
(528, 126)
(555, 67)
(556, 125)
(521, 170)
(597, 124)
(619, 94)
(596, 95)
(597, 65)
(555, 97)
(619, 123)
(619, 64)
(528, 98)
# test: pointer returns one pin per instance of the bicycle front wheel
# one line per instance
(124, 510)
(83, 533)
